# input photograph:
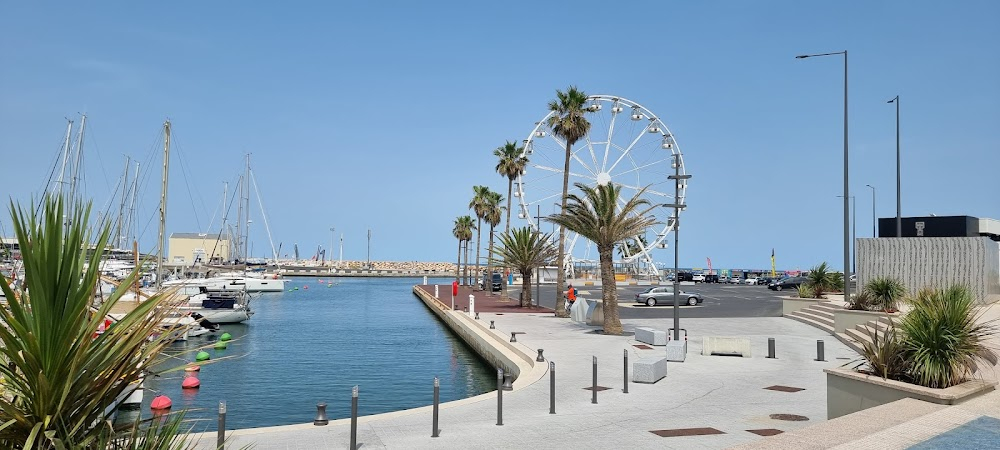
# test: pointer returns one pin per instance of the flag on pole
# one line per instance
(773, 272)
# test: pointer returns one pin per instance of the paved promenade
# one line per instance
(723, 399)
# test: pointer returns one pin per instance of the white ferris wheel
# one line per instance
(627, 145)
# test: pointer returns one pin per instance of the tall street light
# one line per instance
(678, 178)
(333, 237)
(899, 219)
(874, 233)
(847, 191)
(854, 231)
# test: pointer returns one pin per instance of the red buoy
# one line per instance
(161, 402)
(191, 383)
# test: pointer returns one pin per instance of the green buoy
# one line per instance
(221, 345)
(296, 288)
(225, 336)
(202, 356)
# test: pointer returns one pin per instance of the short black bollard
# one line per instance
(354, 418)
(321, 418)
(770, 348)
(508, 381)
(552, 387)
(593, 398)
(513, 337)
(220, 442)
(477, 315)
(492, 327)
(626, 371)
(819, 351)
(499, 397)
(437, 392)
(540, 358)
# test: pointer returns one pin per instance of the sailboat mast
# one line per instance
(246, 200)
(121, 206)
(163, 203)
(65, 156)
(78, 156)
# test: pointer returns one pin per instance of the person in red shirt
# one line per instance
(570, 295)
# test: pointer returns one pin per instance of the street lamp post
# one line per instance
(677, 177)
(874, 232)
(333, 237)
(854, 231)
(847, 191)
(899, 218)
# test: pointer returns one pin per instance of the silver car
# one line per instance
(664, 295)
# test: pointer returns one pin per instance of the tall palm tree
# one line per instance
(479, 204)
(600, 217)
(463, 232)
(568, 123)
(492, 217)
(511, 164)
(61, 379)
(525, 250)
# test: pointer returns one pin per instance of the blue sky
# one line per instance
(383, 115)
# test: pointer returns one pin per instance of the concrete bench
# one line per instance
(650, 336)
(727, 346)
(649, 370)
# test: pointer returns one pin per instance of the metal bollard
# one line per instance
(492, 327)
(540, 358)
(477, 315)
(508, 381)
(435, 290)
(321, 418)
(626, 371)
(770, 348)
(354, 418)
(437, 392)
(513, 337)
(552, 387)
(220, 441)
(819, 351)
(499, 397)
(593, 398)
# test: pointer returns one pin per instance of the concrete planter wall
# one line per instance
(848, 392)
(793, 304)
(848, 319)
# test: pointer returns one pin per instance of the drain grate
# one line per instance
(686, 432)
(789, 417)
(784, 388)
(642, 346)
(766, 432)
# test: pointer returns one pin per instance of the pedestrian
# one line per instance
(570, 295)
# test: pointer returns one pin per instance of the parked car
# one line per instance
(685, 276)
(787, 283)
(711, 278)
(699, 278)
(752, 281)
(735, 280)
(496, 282)
(663, 295)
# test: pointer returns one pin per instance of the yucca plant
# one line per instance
(60, 379)
(821, 279)
(885, 355)
(862, 301)
(806, 290)
(886, 293)
(942, 337)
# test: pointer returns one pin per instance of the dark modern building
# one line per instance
(941, 226)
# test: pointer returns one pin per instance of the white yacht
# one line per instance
(229, 281)
(219, 306)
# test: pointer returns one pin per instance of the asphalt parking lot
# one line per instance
(721, 300)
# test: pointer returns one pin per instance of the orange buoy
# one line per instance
(161, 402)
(191, 383)
(192, 368)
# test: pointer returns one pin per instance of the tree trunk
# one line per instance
(489, 264)
(465, 269)
(479, 235)
(560, 272)
(510, 187)
(526, 288)
(458, 264)
(609, 292)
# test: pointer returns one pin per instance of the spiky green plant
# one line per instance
(862, 301)
(943, 338)
(61, 380)
(806, 290)
(821, 279)
(884, 355)
(886, 292)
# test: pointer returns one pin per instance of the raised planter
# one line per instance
(848, 391)
(847, 319)
(793, 304)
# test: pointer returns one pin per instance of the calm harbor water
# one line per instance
(313, 345)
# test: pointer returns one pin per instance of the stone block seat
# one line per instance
(650, 336)
(725, 345)
(649, 370)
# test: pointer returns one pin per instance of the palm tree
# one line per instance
(821, 279)
(511, 165)
(492, 217)
(568, 123)
(463, 232)
(61, 379)
(600, 217)
(525, 250)
(479, 204)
